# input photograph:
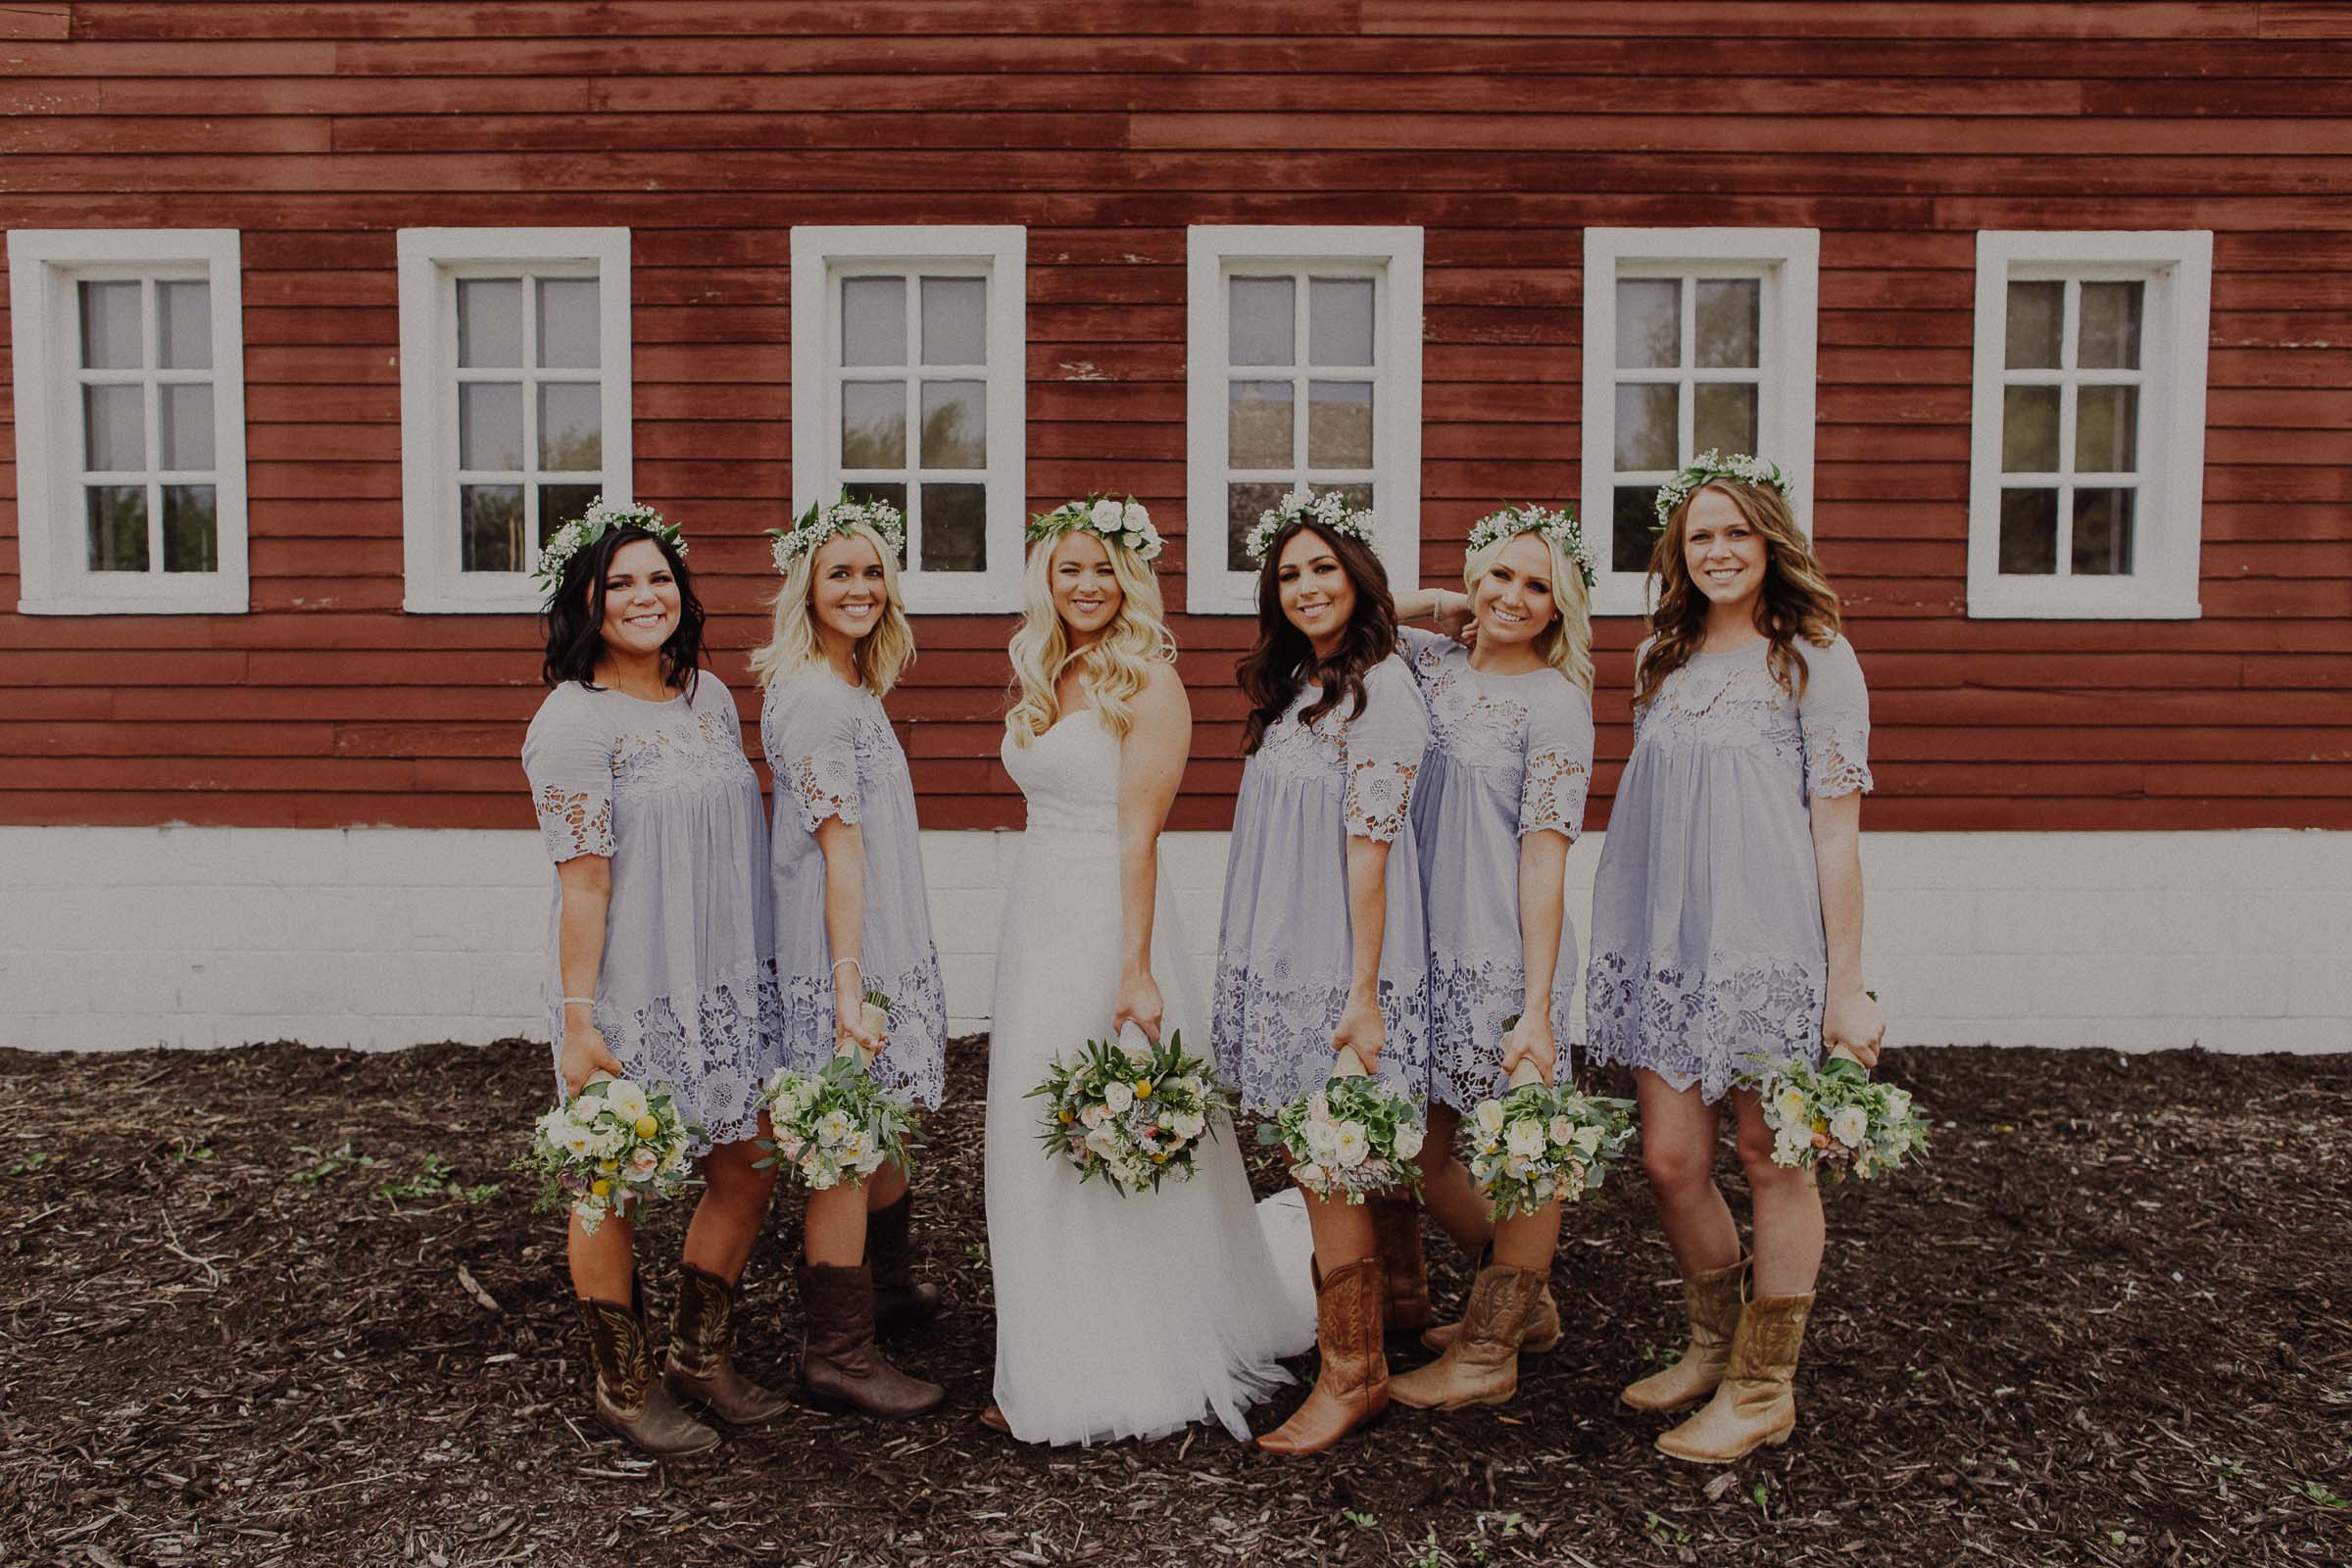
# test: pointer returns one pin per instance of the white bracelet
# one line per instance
(584, 1001)
(854, 963)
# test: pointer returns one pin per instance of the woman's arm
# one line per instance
(1542, 871)
(1851, 1017)
(1160, 737)
(587, 884)
(1450, 610)
(1360, 1027)
(843, 844)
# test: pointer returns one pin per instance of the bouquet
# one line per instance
(1837, 1122)
(1352, 1137)
(1131, 1112)
(837, 1124)
(613, 1144)
(1538, 1144)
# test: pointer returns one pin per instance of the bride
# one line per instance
(1116, 1316)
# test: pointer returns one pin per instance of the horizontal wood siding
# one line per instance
(1503, 129)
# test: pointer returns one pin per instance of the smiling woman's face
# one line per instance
(1513, 602)
(640, 600)
(1314, 590)
(847, 590)
(1723, 550)
(1085, 589)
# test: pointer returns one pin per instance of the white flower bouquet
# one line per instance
(1837, 1122)
(1353, 1137)
(609, 1147)
(1132, 1112)
(837, 1124)
(1538, 1144)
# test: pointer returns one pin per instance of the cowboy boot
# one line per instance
(1351, 1386)
(1538, 1331)
(840, 1367)
(1396, 1238)
(700, 1369)
(1482, 1364)
(1755, 1403)
(900, 1302)
(1712, 1301)
(628, 1397)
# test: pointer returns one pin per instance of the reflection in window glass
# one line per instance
(490, 323)
(191, 528)
(955, 425)
(1650, 324)
(569, 331)
(1264, 325)
(118, 528)
(873, 321)
(955, 320)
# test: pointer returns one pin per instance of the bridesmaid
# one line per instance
(1320, 949)
(1500, 802)
(1727, 921)
(657, 960)
(852, 918)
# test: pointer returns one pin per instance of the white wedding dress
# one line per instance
(1116, 1316)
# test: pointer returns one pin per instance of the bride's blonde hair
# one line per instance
(792, 639)
(1566, 645)
(1112, 668)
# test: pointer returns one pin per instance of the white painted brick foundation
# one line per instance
(383, 937)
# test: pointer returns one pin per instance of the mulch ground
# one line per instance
(287, 1305)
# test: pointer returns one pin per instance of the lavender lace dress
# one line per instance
(1283, 949)
(687, 991)
(1508, 755)
(833, 754)
(1707, 942)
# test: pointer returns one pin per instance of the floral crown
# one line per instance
(601, 518)
(1330, 510)
(823, 521)
(1715, 466)
(1126, 524)
(1560, 527)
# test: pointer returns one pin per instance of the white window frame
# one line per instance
(821, 253)
(2175, 323)
(52, 527)
(1391, 256)
(1787, 261)
(430, 260)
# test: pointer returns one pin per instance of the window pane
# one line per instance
(187, 432)
(2030, 430)
(1243, 504)
(1339, 321)
(110, 326)
(873, 321)
(114, 429)
(954, 528)
(873, 424)
(571, 422)
(2036, 316)
(118, 520)
(1633, 527)
(1722, 417)
(569, 332)
(2103, 532)
(490, 322)
(2110, 331)
(560, 504)
(191, 528)
(955, 424)
(1730, 317)
(1645, 425)
(1649, 322)
(490, 518)
(2106, 429)
(2029, 532)
(490, 425)
(954, 322)
(1339, 424)
(183, 327)
(1263, 326)
(1257, 425)
(895, 494)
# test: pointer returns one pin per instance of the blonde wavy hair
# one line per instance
(1796, 606)
(1566, 645)
(1112, 668)
(882, 653)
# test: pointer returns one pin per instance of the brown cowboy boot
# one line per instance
(1538, 1331)
(700, 1369)
(900, 1302)
(628, 1397)
(1396, 1238)
(840, 1367)
(1482, 1364)
(1712, 1301)
(1351, 1387)
(1755, 1403)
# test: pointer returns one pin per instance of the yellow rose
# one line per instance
(1142, 1089)
(608, 1166)
(1064, 1114)
(646, 1126)
(599, 1187)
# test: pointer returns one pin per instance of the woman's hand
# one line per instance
(1854, 1019)
(1454, 617)
(584, 1052)
(1139, 1003)
(1531, 1040)
(1361, 1031)
(849, 1023)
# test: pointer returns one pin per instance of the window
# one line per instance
(1303, 367)
(909, 384)
(2086, 471)
(1694, 339)
(131, 420)
(513, 402)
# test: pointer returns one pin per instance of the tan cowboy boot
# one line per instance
(1539, 1332)
(840, 1367)
(1712, 1301)
(1351, 1386)
(628, 1397)
(1482, 1364)
(900, 1302)
(1396, 1238)
(700, 1369)
(1754, 1404)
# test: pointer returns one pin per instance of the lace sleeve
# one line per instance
(1559, 762)
(1425, 652)
(1833, 718)
(568, 761)
(811, 736)
(1384, 747)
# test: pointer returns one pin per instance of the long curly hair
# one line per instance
(1566, 645)
(1797, 604)
(573, 621)
(1283, 661)
(882, 655)
(1112, 668)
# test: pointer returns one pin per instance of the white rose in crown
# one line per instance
(1409, 1141)
(1849, 1125)
(1119, 1097)
(1108, 516)
(1132, 517)
(1525, 1139)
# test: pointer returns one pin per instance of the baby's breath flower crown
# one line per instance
(1715, 466)
(601, 518)
(1560, 527)
(1120, 522)
(1330, 510)
(824, 520)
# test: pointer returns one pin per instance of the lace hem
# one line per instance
(1704, 1026)
(715, 1053)
(1274, 1040)
(1551, 797)
(1837, 757)
(1468, 1001)
(1380, 793)
(574, 825)
(914, 1061)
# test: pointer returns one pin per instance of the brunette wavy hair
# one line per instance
(1271, 673)
(1796, 606)
(574, 617)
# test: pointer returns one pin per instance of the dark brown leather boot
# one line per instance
(900, 1302)
(700, 1369)
(1351, 1386)
(628, 1397)
(1396, 1234)
(840, 1367)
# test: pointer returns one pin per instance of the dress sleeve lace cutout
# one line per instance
(1384, 745)
(567, 756)
(810, 727)
(1833, 716)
